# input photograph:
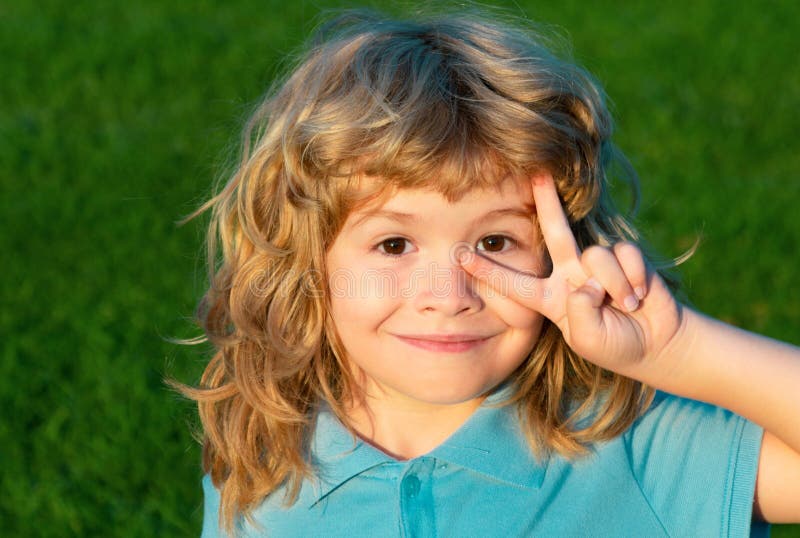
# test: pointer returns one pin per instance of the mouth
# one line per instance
(444, 342)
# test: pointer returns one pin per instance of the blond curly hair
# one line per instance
(452, 103)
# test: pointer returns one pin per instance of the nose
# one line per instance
(444, 286)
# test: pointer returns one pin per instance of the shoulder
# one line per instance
(696, 460)
(211, 527)
(673, 423)
(690, 436)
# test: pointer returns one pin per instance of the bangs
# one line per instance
(452, 172)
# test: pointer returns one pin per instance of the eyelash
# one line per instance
(378, 247)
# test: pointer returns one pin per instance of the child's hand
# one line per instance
(610, 308)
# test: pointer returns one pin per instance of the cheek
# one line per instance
(362, 297)
(371, 283)
(527, 333)
(518, 316)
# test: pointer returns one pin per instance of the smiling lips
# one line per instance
(444, 342)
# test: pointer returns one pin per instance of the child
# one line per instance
(431, 321)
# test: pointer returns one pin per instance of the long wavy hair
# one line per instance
(452, 103)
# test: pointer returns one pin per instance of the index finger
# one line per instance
(558, 237)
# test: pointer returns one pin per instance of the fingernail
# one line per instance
(593, 282)
(639, 291)
(631, 303)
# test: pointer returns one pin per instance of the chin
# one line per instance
(449, 394)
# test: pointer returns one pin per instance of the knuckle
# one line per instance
(594, 254)
(578, 299)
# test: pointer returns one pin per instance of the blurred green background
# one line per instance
(115, 118)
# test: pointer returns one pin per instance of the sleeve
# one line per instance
(210, 510)
(696, 464)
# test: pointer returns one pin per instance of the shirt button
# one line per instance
(411, 485)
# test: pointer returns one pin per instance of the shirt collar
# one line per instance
(491, 442)
(338, 455)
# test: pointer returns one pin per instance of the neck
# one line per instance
(406, 429)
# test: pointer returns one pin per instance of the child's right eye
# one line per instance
(394, 246)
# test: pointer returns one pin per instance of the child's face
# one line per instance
(397, 293)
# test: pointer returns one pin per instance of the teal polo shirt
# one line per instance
(684, 468)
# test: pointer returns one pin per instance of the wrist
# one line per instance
(670, 368)
(692, 363)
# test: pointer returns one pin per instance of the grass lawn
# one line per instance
(115, 119)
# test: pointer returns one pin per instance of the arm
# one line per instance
(777, 497)
(755, 377)
(614, 311)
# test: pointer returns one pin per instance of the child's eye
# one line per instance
(394, 246)
(496, 243)
(397, 246)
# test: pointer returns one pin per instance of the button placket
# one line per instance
(416, 501)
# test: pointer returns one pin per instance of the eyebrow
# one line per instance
(405, 218)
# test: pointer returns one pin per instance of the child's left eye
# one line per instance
(496, 243)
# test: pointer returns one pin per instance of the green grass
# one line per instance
(115, 120)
